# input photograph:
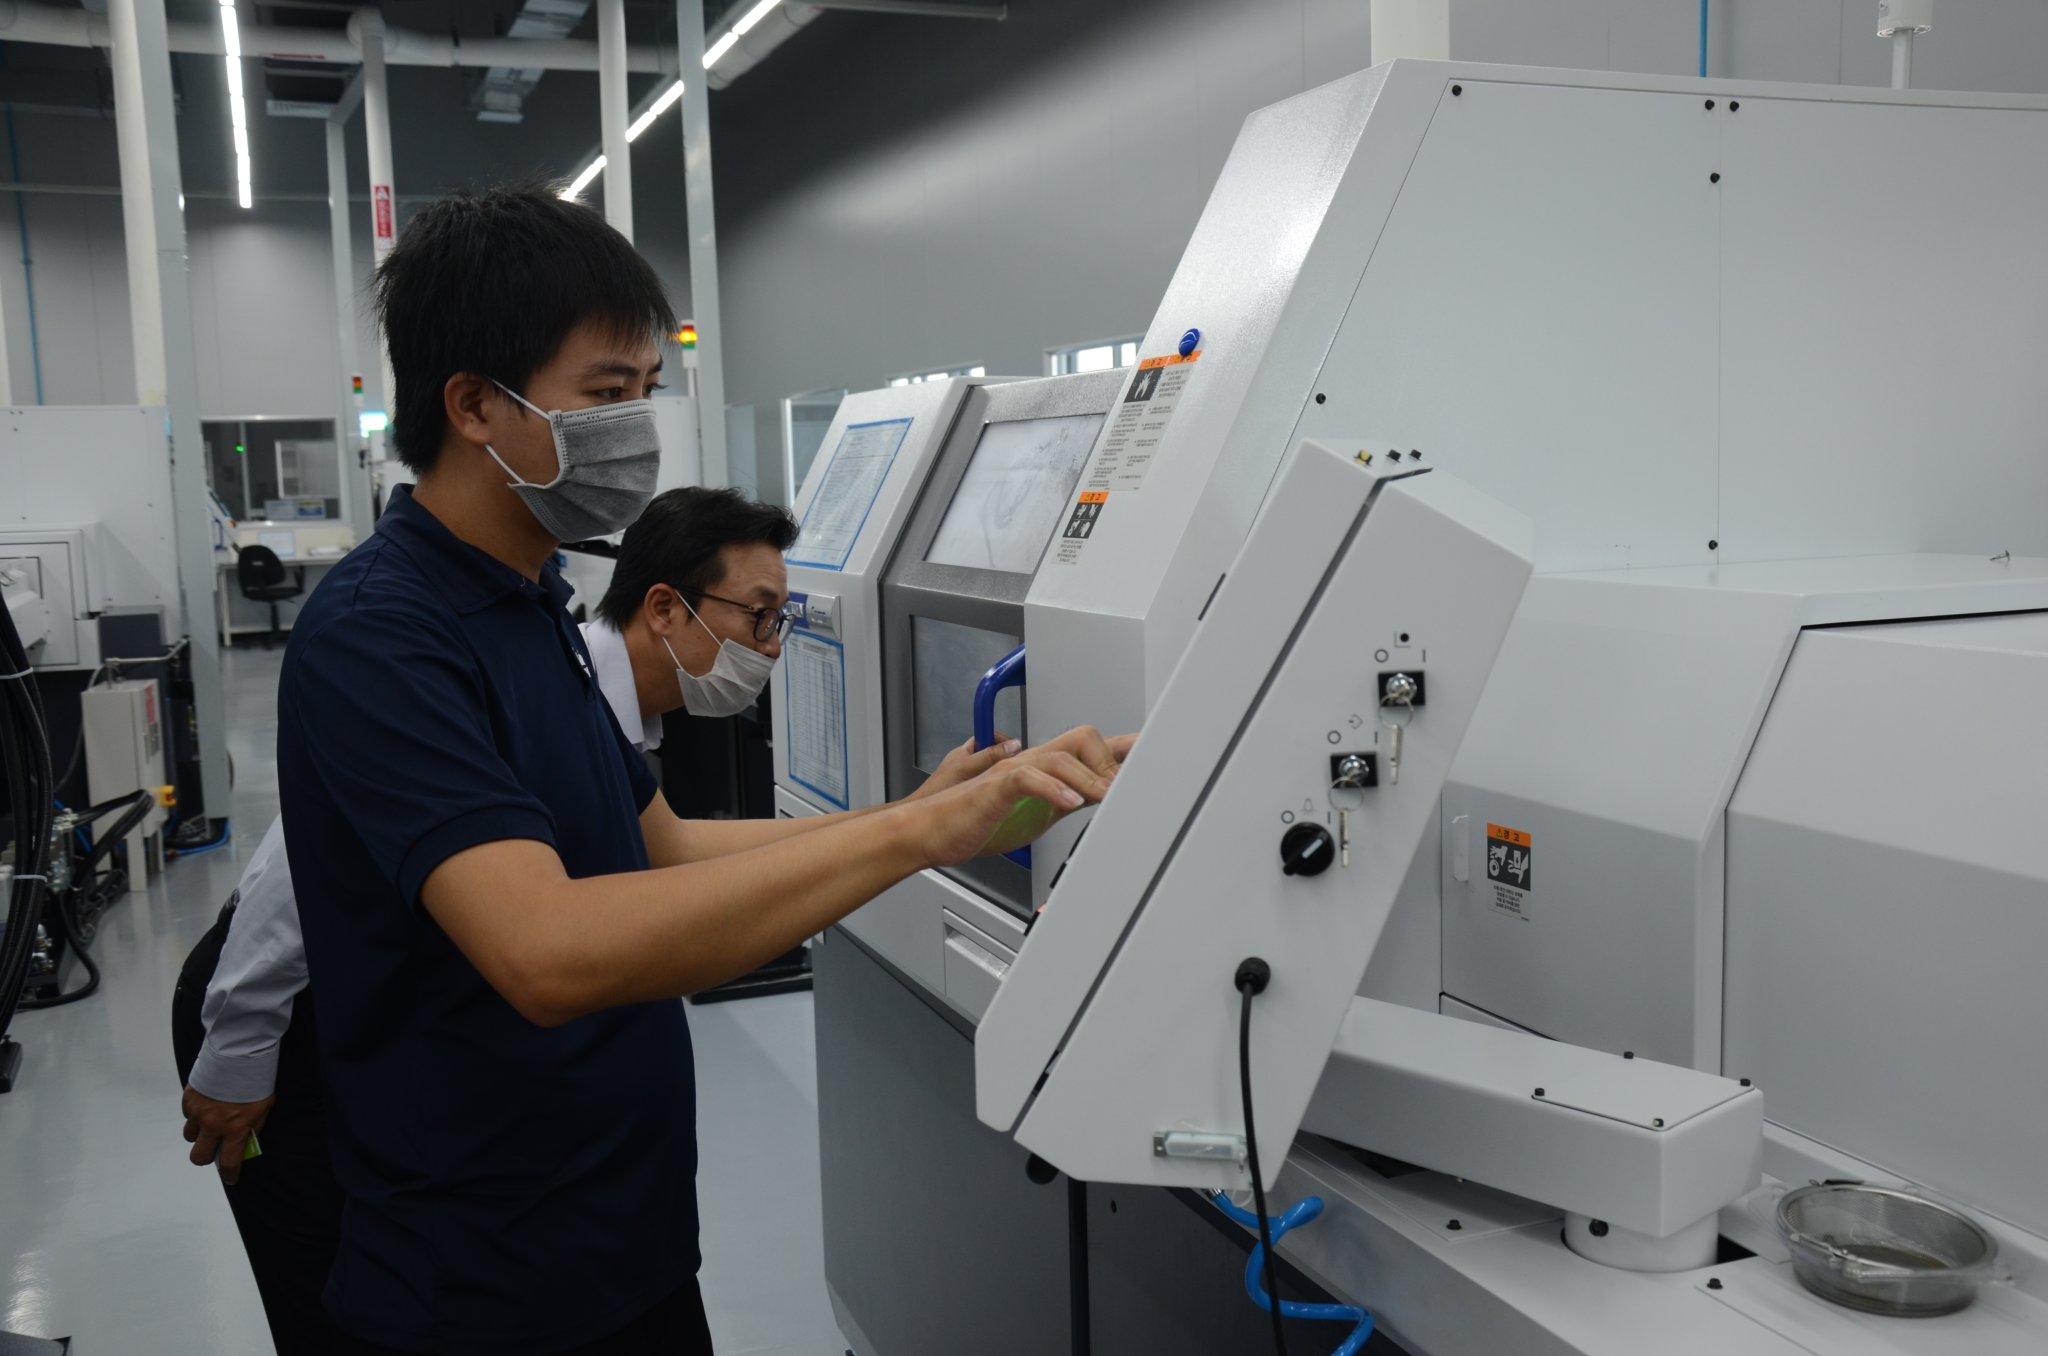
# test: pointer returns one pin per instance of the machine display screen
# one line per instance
(947, 661)
(1009, 502)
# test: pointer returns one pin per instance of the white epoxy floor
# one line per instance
(108, 1236)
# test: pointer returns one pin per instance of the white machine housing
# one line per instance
(1112, 1031)
(835, 642)
(125, 752)
(1648, 324)
(1114, 1025)
(1644, 311)
(21, 582)
(87, 515)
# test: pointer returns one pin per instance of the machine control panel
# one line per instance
(816, 612)
(1306, 850)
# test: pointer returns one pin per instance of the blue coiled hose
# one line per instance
(1301, 1212)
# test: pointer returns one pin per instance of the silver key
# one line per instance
(1343, 837)
(1400, 690)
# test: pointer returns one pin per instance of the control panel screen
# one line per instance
(947, 661)
(1014, 493)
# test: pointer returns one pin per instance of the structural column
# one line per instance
(166, 372)
(349, 431)
(703, 233)
(612, 100)
(366, 26)
(6, 373)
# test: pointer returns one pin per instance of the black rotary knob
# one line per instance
(1307, 850)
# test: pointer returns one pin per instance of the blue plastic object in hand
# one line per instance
(1007, 672)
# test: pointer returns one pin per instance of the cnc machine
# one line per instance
(1720, 876)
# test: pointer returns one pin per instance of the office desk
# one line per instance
(239, 616)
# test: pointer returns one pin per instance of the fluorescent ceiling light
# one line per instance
(754, 16)
(640, 124)
(655, 110)
(719, 49)
(238, 116)
(582, 181)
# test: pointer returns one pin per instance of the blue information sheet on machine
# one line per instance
(852, 481)
(817, 714)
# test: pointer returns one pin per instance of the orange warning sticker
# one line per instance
(1169, 360)
(1514, 837)
(1094, 497)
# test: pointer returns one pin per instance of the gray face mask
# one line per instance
(609, 458)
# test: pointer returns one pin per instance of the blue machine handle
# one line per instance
(1007, 672)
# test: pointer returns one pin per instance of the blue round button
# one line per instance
(1189, 342)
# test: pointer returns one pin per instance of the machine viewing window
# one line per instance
(1009, 501)
(946, 664)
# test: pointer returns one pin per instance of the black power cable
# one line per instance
(65, 905)
(25, 762)
(1253, 975)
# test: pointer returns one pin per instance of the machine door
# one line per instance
(953, 598)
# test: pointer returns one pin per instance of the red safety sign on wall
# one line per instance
(380, 206)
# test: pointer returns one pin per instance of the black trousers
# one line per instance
(675, 1327)
(287, 1206)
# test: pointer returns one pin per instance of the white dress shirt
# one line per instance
(263, 961)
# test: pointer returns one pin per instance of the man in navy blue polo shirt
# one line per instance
(499, 910)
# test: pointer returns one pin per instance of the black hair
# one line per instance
(492, 282)
(678, 541)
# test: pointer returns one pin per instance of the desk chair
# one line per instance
(263, 579)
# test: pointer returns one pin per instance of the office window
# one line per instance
(918, 378)
(1099, 356)
(266, 468)
(805, 420)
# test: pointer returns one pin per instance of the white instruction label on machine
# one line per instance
(817, 714)
(1136, 426)
(854, 478)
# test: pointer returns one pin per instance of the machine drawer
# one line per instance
(975, 965)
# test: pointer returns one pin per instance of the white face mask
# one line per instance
(736, 678)
(609, 458)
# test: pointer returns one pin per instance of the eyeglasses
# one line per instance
(769, 622)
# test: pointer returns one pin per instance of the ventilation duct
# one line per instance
(502, 95)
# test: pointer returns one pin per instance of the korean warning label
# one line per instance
(1510, 869)
(1137, 423)
(1081, 523)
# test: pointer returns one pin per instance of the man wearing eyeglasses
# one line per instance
(696, 606)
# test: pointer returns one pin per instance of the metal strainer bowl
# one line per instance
(1884, 1251)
